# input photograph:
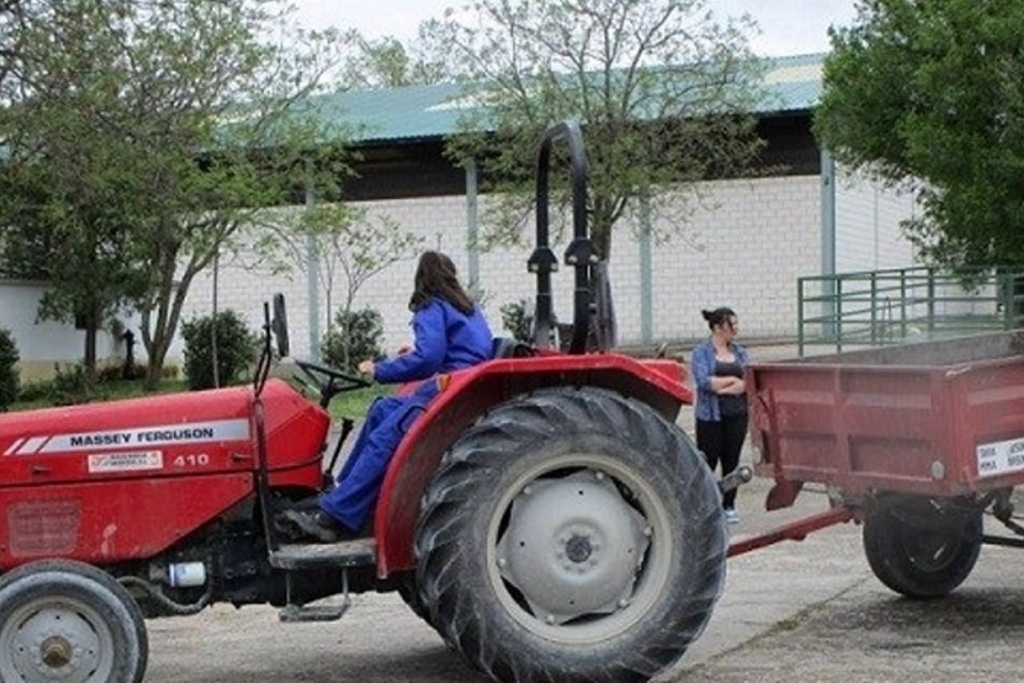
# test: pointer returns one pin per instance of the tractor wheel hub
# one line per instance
(572, 547)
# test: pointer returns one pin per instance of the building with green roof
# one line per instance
(750, 238)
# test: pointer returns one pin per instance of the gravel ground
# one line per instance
(808, 612)
(796, 612)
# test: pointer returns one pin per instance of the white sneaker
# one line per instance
(731, 516)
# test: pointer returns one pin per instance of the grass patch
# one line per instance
(47, 395)
(351, 404)
(354, 404)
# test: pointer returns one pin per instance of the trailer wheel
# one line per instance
(920, 548)
(67, 621)
(571, 535)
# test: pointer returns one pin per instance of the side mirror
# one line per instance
(279, 326)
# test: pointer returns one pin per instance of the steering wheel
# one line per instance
(336, 380)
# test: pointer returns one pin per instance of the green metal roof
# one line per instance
(432, 111)
(793, 84)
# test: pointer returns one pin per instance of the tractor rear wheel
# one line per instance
(410, 595)
(922, 548)
(67, 621)
(571, 535)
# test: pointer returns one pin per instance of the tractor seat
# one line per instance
(506, 347)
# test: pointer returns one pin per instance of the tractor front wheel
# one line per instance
(571, 535)
(920, 547)
(70, 622)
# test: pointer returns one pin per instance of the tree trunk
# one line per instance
(163, 333)
(90, 352)
(601, 235)
(155, 369)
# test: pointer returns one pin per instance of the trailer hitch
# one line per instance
(739, 476)
(1003, 510)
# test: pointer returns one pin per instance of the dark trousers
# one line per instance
(721, 442)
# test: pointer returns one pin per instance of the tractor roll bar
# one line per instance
(580, 252)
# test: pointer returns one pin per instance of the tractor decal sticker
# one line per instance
(125, 462)
(155, 435)
(14, 446)
(31, 445)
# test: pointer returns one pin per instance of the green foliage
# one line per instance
(236, 350)
(9, 379)
(71, 389)
(927, 95)
(387, 63)
(70, 385)
(34, 392)
(355, 404)
(113, 372)
(351, 246)
(130, 158)
(355, 336)
(665, 93)
(515, 321)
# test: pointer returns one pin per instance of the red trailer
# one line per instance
(915, 441)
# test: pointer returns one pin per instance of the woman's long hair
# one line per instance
(436, 276)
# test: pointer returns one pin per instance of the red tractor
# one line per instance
(545, 514)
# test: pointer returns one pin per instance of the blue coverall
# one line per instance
(446, 340)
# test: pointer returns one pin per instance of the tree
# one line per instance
(9, 377)
(929, 95)
(143, 136)
(387, 62)
(664, 92)
(350, 246)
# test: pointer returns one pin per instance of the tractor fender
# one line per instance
(468, 394)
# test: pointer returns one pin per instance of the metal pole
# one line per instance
(800, 316)
(213, 327)
(313, 284)
(874, 307)
(473, 230)
(828, 244)
(646, 270)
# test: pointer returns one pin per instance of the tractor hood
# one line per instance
(203, 432)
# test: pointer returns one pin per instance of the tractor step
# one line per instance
(354, 553)
(294, 614)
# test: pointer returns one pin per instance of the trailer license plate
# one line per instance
(1000, 457)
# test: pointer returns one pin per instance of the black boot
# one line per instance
(317, 525)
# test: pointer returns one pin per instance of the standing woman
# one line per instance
(721, 412)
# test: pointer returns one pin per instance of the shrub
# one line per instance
(236, 349)
(9, 378)
(69, 386)
(354, 337)
(34, 391)
(515, 321)
(114, 372)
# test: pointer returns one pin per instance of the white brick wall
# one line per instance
(763, 235)
(43, 343)
(868, 220)
(43, 340)
(745, 248)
